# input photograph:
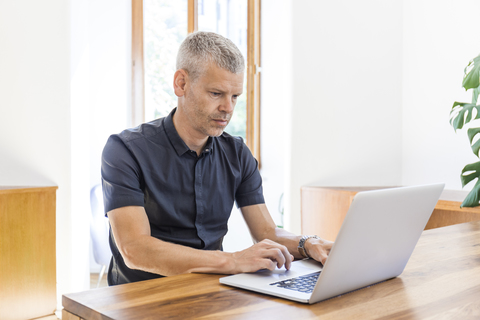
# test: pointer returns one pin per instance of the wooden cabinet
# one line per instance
(27, 252)
(324, 208)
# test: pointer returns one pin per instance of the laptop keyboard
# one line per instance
(304, 283)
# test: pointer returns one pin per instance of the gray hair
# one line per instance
(200, 48)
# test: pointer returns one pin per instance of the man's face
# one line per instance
(211, 99)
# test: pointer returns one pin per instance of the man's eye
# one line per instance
(215, 94)
(235, 97)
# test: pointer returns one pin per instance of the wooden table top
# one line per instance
(441, 281)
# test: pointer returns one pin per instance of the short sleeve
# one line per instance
(250, 191)
(121, 174)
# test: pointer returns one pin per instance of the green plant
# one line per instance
(461, 114)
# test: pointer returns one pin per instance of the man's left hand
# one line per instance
(318, 249)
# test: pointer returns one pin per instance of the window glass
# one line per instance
(165, 27)
(229, 18)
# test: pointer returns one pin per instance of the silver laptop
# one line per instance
(374, 244)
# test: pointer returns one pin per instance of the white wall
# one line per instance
(101, 94)
(110, 74)
(110, 39)
(440, 37)
(275, 98)
(35, 132)
(346, 96)
(64, 87)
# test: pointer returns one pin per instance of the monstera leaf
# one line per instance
(471, 79)
(469, 173)
(475, 94)
(462, 113)
(472, 132)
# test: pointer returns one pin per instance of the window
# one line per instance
(229, 18)
(158, 28)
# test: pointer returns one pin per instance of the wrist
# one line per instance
(308, 246)
(304, 245)
(228, 264)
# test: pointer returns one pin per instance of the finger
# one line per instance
(288, 260)
(286, 257)
(288, 265)
(276, 254)
(317, 254)
(328, 246)
(267, 264)
(323, 258)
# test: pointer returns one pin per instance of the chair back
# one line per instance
(99, 227)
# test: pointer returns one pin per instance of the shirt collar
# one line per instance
(209, 146)
(177, 142)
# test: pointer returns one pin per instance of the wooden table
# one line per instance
(325, 208)
(441, 281)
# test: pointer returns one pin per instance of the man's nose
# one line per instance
(227, 105)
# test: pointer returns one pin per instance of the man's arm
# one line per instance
(131, 230)
(262, 227)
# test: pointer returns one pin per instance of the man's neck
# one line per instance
(192, 139)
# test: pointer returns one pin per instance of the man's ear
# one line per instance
(179, 82)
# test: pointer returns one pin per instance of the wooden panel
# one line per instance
(138, 72)
(192, 16)
(324, 209)
(447, 213)
(27, 253)
(253, 78)
(441, 281)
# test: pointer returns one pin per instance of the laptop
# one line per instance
(374, 244)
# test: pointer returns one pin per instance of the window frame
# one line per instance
(253, 67)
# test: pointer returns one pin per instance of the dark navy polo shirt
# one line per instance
(187, 198)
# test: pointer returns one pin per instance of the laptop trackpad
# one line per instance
(298, 268)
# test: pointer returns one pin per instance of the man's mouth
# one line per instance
(222, 122)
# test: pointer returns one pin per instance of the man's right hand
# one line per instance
(141, 251)
(265, 254)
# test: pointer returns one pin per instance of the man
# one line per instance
(169, 185)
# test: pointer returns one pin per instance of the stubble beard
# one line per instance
(204, 122)
(210, 128)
